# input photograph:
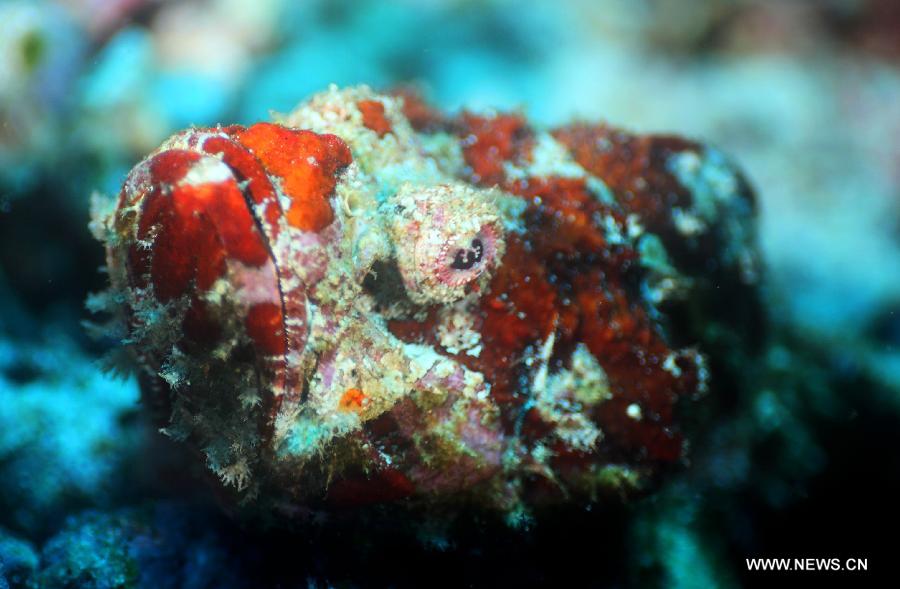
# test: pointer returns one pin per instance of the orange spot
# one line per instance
(373, 116)
(352, 400)
(306, 163)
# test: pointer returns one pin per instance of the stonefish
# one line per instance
(366, 301)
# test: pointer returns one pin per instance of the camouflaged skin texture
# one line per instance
(367, 300)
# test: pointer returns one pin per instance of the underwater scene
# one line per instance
(449, 293)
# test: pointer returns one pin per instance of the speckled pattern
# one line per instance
(367, 300)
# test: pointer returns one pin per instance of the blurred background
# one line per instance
(804, 96)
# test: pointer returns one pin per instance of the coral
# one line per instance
(354, 305)
(167, 545)
(69, 434)
(18, 561)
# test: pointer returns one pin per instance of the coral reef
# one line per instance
(166, 545)
(18, 561)
(69, 438)
(368, 300)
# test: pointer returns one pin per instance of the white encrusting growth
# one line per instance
(563, 398)
(207, 170)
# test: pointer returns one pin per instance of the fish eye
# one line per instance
(466, 258)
